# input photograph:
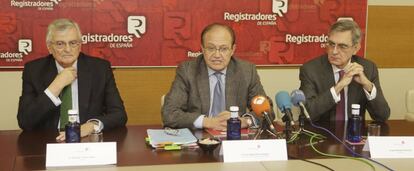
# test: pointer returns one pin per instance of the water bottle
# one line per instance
(72, 128)
(354, 125)
(234, 124)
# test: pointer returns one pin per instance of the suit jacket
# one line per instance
(98, 95)
(189, 96)
(317, 78)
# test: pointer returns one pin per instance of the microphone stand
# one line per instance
(288, 126)
(266, 126)
(302, 131)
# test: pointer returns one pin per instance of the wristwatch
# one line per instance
(97, 125)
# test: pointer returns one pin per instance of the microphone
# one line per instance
(284, 104)
(261, 107)
(298, 98)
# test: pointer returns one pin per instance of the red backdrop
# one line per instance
(166, 32)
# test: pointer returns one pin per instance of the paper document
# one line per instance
(159, 137)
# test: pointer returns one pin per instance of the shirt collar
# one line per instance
(211, 71)
(336, 69)
(60, 68)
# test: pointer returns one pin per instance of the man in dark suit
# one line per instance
(190, 101)
(91, 81)
(340, 70)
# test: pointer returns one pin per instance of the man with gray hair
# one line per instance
(68, 79)
(339, 78)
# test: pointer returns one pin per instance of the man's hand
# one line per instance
(354, 71)
(359, 76)
(64, 78)
(86, 129)
(218, 123)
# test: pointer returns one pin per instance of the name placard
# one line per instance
(254, 150)
(80, 154)
(391, 146)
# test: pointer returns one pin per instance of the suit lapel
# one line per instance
(50, 72)
(84, 85)
(328, 74)
(203, 85)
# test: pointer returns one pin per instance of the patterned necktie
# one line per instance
(66, 97)
(218, 96)
(340, 107)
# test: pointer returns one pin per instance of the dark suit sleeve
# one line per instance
(378, 108)
(176, 101)
(114, 111)
(256, 88)
(35, 107)
(317, 103)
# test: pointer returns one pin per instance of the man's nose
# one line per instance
(67, 47)
(335, 50)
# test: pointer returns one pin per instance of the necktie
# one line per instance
(340, 107)
(66, 97)
(218, 96)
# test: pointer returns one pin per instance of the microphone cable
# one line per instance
(312, 162)
(339, 156)
(349, 149)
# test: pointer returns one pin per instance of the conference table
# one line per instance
(26, 150)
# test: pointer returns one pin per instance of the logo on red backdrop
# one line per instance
(39, 4)
(24, 48)
(136, 26)
(279, 7)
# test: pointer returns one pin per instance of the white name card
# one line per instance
(80, 154)
(254, 150)
(391, 146)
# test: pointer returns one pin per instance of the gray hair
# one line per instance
(61, 25)
(347, 25)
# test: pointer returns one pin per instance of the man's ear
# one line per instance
(49, 47)
(357, 47)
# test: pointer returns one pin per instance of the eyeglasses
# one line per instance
(172, 132)
(222, 50)
(340, 46)
(62, 44)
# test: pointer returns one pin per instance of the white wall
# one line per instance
(395, 83)
(10, 90)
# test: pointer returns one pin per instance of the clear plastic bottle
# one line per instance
(354, 124)
(234, 124)
(72, 128)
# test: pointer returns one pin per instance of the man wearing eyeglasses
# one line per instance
(205, 88)
(68, 79)
(339, 78)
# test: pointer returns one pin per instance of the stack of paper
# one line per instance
(159, 138)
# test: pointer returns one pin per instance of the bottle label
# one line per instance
(72, 132)
(233, 129)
